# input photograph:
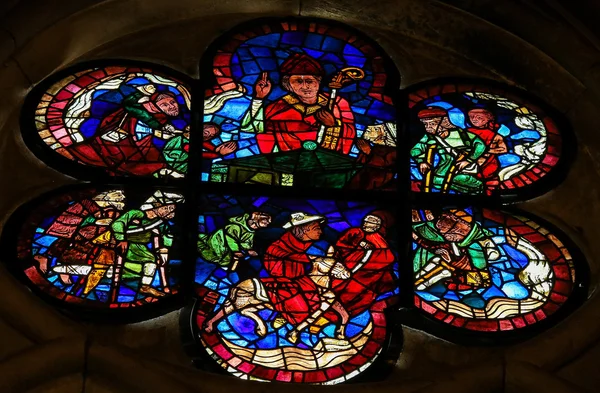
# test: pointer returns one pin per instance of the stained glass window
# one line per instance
(488, 270)
(479, 138)
(294, 289)
(300, 104)
(131, 121)
(288, 222)
(101, 247)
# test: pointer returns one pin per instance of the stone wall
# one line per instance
(512, 41)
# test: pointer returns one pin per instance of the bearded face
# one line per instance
(452, 228)
(168, 106)
(209, 131)
(166, 212)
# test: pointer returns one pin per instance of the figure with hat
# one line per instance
(116, 142)
(144, 240)
(301, 115)
(485, 127)
(454, 248)
(228, 245)
(293, 293)
(85, 246)
(457, 152)
(366, 254)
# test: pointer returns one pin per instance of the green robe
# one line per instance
(175, 156)
(470, 244)
(137, 110)
(462, 141)
(140, 244)
(219, 246)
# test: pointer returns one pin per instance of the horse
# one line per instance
(250, 296)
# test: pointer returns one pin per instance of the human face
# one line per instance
(306, 87)
(371, 224)
(452, 228)
(313, 231)
(479, 119)
(166, 212)
(261, 220)
(209, 131)
(433, 125)
(168, 106)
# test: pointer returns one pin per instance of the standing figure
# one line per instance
(458, 151)
(454, 248)
(365, 252)
(144, 239)
(485, 127)
(297, 117)
(228, 245)
(85, 247)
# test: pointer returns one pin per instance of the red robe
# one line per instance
(290, 290)
(374, 278)
(289, 122)
(127, 156)
(491, 163)
(378, 169)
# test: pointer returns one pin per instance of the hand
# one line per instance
(262, 88)
(442, 252)
(363, 146)
(365, 245)
(122, 246)
(169, 129)
(252, 253)
(424, 167)
(462, 165)
(325, 117)
(226, 148)
(238, 254)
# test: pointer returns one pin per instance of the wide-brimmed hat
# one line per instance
(301, 219)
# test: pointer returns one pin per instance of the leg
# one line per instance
(250, 312)
(345, 317)
(148, 272)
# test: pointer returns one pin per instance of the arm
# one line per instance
(418, 151)
(344, 119)
(236, 241)
(120, 226)
(477, 147)
(253, 120)
(498, 146)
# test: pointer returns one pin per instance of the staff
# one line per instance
(342, 78)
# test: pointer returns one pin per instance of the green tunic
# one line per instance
(461, 141)
(137, 110)
(470, 244)
(175, 156)
(219, 246)
(140, 243)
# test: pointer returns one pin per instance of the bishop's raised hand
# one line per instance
(262, 88)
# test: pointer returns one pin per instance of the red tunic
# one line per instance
(290, 290)
(288, 123)
(378, 170)
(129, 155)
(374, 278)
(491, 163)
